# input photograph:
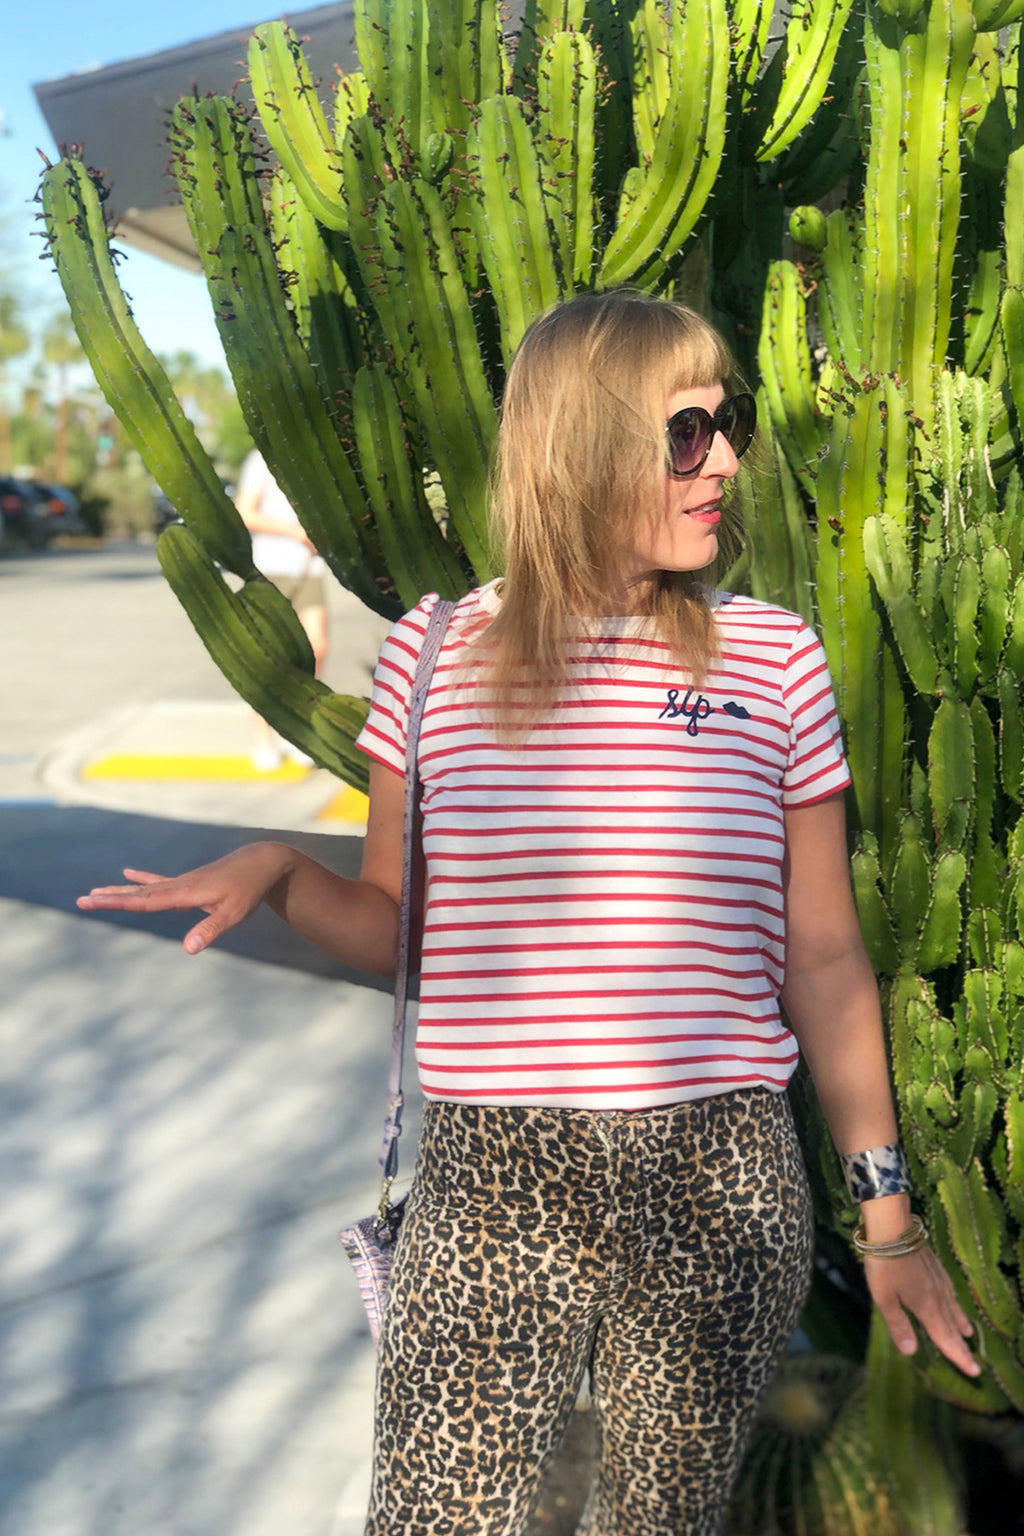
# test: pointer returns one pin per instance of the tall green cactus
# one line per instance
(919, 585)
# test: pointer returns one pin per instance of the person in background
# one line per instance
(282, 550)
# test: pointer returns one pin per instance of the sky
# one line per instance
(48, 39)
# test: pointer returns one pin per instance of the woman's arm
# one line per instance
(356, 921)
(831, 999)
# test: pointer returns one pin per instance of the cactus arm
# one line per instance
(1011, 734)
(951, 770)
(994, 611)
(938, 60)
(983, 280)
(785, 358)
(801, 70)
(465, 58)
(1013, 201)
(287, 416)
(966, 599)
(883, 195)
(1011, 313)
(418, 556)
(828, 148)
(750, 21)
(411, 103)
(1013, 654)
(842, 303)
(876, 925)
(777, 535)
(993, 15)
(939, 942)
(511, 218)
(254, 652)
(908, 888)
(974, 1227)
(284, 407)
(872, 708)
(652, 76)
(428, 321)
(322, 300)
(130, 377)
(688, 149)
(371, 20)
(567, 99)
(212, 154)
(294, 121)
(351, 100)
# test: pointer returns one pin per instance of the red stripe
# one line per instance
(520, 1021)
(543, 1094)
(597, 1042)
(697, 945)
(525, 998)
(502, 1069)
(679, 833)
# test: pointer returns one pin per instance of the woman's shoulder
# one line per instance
(738, 610)
(483, 601)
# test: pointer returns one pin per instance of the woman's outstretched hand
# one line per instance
(918, 1284)
(227, 890)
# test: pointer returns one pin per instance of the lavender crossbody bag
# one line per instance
(371, 1242)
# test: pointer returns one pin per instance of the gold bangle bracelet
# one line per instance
(909, 1241)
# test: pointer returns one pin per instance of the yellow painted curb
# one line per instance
(139, 765)
(348, 805)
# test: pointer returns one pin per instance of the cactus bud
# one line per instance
(807, 227)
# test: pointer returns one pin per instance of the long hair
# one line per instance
(580, 463)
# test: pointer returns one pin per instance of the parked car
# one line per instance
(35, 512)
(20, 512)
(60, 507)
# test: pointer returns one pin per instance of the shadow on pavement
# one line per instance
(51, 854)
(184, 1349)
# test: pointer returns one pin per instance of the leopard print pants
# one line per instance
(668, 1249)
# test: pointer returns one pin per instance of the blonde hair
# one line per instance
(580, 462)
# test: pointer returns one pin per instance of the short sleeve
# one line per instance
(383, 737)
(816, 766)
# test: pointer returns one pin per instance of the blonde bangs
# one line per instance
(580, 460)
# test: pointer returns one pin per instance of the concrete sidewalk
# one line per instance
(189, 760)
(184, 1348)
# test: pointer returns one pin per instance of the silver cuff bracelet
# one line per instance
(880, 1171)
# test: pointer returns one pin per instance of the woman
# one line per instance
(635, 843)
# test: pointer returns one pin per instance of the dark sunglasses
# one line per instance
(692, 431)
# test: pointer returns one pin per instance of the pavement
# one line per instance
(182, 1347)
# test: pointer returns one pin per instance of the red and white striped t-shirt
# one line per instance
(604, 923)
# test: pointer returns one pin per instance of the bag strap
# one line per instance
(432, 640)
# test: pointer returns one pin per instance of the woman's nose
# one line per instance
(721, 460)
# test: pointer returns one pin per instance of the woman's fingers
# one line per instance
(227, 890)
(153, 896)
(919, 1285)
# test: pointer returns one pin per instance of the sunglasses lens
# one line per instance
(689, 433)
(738, 422)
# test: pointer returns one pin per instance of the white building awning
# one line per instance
(118, 115)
